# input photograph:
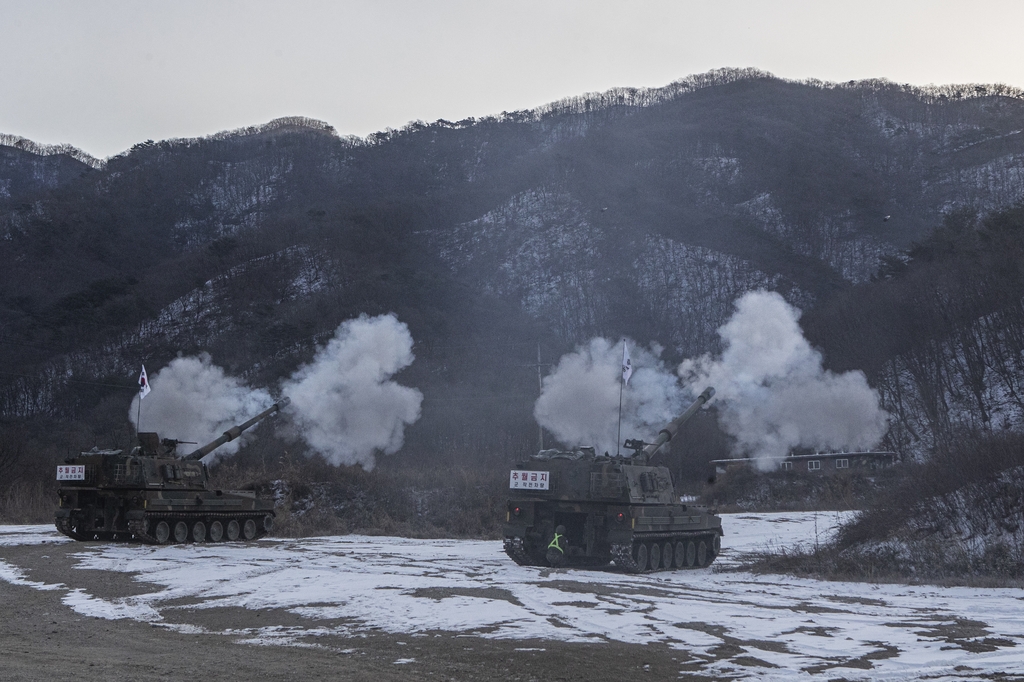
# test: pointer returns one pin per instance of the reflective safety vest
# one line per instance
(554, 544)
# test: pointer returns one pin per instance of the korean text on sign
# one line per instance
(71, 472)
(535, 480)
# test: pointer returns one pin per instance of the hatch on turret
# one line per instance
(650, 484)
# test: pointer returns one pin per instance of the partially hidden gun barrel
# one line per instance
(236, 431)
(666, 434)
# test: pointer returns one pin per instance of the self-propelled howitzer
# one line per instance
(609, 508)
(154, 495)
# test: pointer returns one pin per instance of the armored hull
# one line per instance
(152, 495)
(612, 509)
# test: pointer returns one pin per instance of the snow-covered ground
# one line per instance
(734, 624)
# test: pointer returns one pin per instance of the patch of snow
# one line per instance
(541, 249)
(681, 282)
(30, 535)
(195, 319)
(986, 187)
(725, 169)
(16, 576)
(835, 239)
(131, 607)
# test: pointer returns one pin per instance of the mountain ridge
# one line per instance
(635, 212)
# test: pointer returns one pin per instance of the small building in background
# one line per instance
(818, 464)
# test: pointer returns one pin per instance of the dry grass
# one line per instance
(396, 498)
(916, 564)
(24, 502)
(943, 525)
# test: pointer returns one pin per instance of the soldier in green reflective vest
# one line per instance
(556, 549)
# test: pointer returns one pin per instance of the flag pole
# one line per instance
(627, 370)
(540, 391)
(618, 436)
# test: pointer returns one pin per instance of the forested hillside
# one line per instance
(878, 209)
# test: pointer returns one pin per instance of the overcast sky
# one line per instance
(105, 75)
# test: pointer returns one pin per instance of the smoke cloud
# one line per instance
(194, 400)
(344, 404)
(579, 402)
(773, 394)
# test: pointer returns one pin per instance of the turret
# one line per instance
(644, 451)
(235, 431)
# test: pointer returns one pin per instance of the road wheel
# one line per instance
(198, 531)
(268, 523)
(655, 556)
(233, 530)
(666, 555)
(180, 531)
(691, 553)
(702, 553)
(680, 554)
(716, 546)
(640, 557)
(216, 531)
(162, 533)
(249, 529)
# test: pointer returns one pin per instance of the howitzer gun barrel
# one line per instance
(666, 434)
(235, 431)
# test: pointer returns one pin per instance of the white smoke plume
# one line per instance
(579, 401)
(194, 400)
(772, 392)
(344, 404)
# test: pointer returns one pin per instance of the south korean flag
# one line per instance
(143, 384)
(627, 364)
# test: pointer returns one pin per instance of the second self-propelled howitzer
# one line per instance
(606, 508)
(154, 495)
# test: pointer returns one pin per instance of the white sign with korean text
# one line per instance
(534, 480)
(71, 472)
